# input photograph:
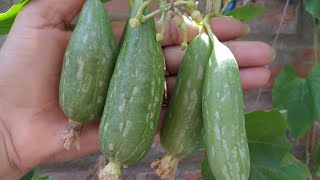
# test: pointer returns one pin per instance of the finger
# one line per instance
(223, 27)
(253, 77)
(251, 53)
(247, 54)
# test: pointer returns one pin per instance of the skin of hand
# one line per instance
(32, 123)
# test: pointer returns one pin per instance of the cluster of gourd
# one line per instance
(125, 84)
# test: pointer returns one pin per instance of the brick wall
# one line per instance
(294, 47)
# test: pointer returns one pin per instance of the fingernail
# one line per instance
(274, 54)
(246, 29)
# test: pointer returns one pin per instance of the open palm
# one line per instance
(31, 119)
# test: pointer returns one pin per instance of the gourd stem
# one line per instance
(72, 136)
(183, 27)
(166, 167)
(110, 172)
(225, 6)
(141, 8)
(178, 3)
(144, 18)
(131, 3)
(206, 22)
(315, 40)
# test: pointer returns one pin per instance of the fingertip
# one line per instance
(227, 28)
(254, 77)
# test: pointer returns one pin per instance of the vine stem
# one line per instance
(307, 149)
(144, 18)
(213, 6)
(206, 23)
(274, 43)
(225, 6)
(131, 2)
(315, 40)
(183, 3)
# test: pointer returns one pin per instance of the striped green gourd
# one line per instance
(223, 113)
(134, 99)
(182, 129)
(87, 69)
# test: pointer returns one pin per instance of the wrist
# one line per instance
(9, 170)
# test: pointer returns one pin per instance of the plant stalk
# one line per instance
(307, 149)
(316, 41)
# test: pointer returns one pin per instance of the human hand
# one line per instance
(32, 123)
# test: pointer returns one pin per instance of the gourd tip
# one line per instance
(196, 15)
(110, 172)
(72, 136)
(165, 167)
(134, 22)
(159, 37)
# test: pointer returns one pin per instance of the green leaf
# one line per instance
(269, 149)
(300, 97)
(313, 7)
(246, 12)
(7, 18)
(28, 176)
(316, 157)
(206, 173)
(314, 85)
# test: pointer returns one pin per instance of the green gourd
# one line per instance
(87, 69)
(134, 99)
(223, 113)
(182, 129)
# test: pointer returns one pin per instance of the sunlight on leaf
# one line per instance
(7, 18)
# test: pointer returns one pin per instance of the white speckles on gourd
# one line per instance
(122, 105)
(151, 125)
(85, 38)
(189, 83)
(151, 115)
(216, 114)
(121, 126)
(135, 90)
(217, 132)
(126, 129)
(226, 173)
(200, 73)
(156, 100)
(100, 99)
(100, 83)
(193, 100)
(152, 88)
(70, 111)
(111, 146)
(80, 69)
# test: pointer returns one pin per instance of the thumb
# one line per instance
(49, 13)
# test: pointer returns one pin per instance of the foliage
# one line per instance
(269, 149)
(246, 12)
(7, 18)
(313, 7)
(299, 97)
(35, 175)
